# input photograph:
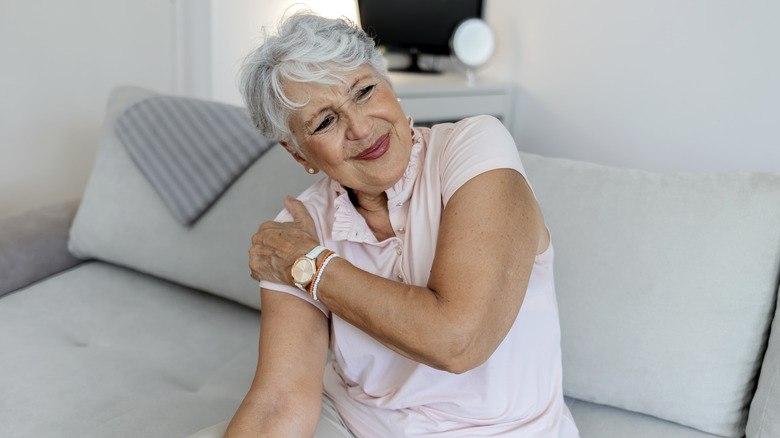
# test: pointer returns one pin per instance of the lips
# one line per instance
(380, 146)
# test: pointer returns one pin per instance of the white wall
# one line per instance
(237, 28)
(215, 36)
(59, 61)
(662, 85)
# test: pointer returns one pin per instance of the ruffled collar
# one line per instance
(348, 224)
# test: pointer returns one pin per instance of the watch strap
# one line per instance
(314, 253)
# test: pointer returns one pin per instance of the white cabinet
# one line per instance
(432, 98)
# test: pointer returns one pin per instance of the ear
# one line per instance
(298, 157)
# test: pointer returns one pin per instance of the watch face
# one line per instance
(303, 270)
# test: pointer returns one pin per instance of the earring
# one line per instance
(311, 170)
(398, 99)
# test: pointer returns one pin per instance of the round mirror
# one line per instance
(473, 42)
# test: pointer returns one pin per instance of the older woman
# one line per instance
(421, 260)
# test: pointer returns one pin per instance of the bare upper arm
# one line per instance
(293, 350)
(490, 233)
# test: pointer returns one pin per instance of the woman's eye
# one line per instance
(325, 123)
(365, 92)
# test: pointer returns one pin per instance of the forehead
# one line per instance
(307, 94)
(317, 96)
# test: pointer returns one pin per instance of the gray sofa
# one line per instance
(123, 322)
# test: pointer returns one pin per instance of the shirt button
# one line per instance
(398, 250)
(402, 230)
(399, 204)
(400, 278)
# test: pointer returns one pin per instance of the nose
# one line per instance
(359, 125)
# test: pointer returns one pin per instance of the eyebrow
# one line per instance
(308, 123)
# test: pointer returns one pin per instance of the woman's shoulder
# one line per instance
(316, 198)
(474, 123)
(483, 129)
(484, 121)
(473, 135)
(462, 150)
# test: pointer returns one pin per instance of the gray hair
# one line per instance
(307, 48)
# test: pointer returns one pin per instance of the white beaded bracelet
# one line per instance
(319, 275)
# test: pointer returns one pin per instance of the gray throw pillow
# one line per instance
(190, 150)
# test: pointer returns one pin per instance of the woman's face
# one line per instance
(357, 133)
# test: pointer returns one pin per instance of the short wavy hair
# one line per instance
(307, 48)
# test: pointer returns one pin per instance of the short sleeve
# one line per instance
(475, 146)
(285, 216)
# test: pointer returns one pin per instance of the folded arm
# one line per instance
(490, 233)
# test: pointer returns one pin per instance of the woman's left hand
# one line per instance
(277, 245)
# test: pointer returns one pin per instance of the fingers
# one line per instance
(296, 208)
(266, 264)
(300, 214)
(265, 261)
(264, 268)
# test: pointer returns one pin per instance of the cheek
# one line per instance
(327, 151)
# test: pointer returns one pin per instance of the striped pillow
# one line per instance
(190, 150)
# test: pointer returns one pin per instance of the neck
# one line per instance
(374, 210)
(371, 203)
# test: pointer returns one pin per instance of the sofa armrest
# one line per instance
(34, 245)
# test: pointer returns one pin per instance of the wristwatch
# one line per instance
(305, 267)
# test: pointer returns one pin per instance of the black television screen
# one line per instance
(415, 26)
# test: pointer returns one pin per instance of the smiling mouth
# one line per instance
(376, 150)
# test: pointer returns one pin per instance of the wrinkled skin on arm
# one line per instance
(286, 395)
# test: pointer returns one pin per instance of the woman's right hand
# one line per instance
(277, 245)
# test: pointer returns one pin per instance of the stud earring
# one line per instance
(311, 170)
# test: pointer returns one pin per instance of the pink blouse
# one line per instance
(517, 391)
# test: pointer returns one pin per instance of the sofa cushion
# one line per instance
(101, 351)
(123, 220)
(666, 286)
(607, 422)
(764, 419)
(191, 150)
